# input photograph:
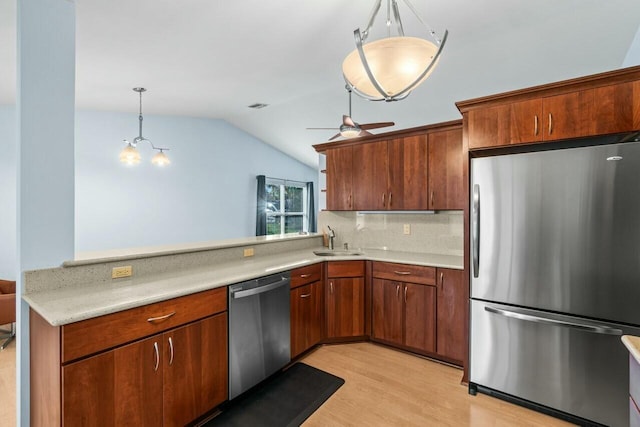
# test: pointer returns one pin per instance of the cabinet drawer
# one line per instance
(405, 273)
(345, 269)
(100, 333)
(302, 276)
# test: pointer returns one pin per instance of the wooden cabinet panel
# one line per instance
(446, 170)
(420, 316)
(408, 173)
(611, 112)
(306, 317)
(345, 307)
(345, 269)
(388, 310)
(567, 116)
(636, 105)
(100, 333)
(489, 127)
(339, 178)
(304, 275)
(370, 176)
(452, 314)
(193, 380)
(404, 272)
(525, 121)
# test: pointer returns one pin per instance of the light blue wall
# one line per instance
(207, 193)
(8, 160)
(633, 54)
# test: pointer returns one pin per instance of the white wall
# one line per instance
(8, 160)
(207, 193)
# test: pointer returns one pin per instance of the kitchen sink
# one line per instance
(337, 253)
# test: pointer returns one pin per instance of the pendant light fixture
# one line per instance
(130, 154)
(389, 69)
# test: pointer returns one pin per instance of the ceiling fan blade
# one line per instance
(322, 128)
(376, 125)
(348, 121)
(364, 133)
(334, 136)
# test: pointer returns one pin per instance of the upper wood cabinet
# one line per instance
(339, 181)
(589, 106)
(409, 170)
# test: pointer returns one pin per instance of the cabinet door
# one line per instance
(420, 317)
(408, 173)
(445, 170)
(525, 121)
(370, 176)
(195, 369)
(452, 313)
(345, 307)
(488, 127)
(118, 387)
(306, 317)
(387, 310)
(567, 116)
(339, 179)
(613, 108)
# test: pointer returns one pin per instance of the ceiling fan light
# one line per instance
(349, 131)
(129, 155)
(160, 159)
(395, 62)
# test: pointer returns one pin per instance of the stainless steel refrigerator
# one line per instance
(555, 278)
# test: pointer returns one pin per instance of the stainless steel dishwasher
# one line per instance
(259, 330)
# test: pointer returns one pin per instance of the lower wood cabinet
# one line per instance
(404, 313)
(453, 304)
(345, 299)
(169, 378)
(306, 317)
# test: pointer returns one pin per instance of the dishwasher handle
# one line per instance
(259, 289)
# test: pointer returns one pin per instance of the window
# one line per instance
(286, 206)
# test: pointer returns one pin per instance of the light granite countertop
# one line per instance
(73, 304)
(633, 345)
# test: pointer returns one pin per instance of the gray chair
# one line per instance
(7, 311)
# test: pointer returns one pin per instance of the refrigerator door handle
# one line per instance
(475, 232)
(597, 329)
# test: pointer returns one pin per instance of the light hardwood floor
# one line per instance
(8, 384)
(385, 387)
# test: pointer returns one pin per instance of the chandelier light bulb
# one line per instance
(160, 159)
(129, 155)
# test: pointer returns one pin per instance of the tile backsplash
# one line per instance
(435, 233)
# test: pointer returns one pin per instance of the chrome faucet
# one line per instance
(332, 235)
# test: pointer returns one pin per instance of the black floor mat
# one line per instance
(285, 400)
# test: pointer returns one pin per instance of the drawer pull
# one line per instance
(156, 319)
(155, 348)
(171, 349)
(304, 276)
(305, 296)
(397, 291)
(403, 273)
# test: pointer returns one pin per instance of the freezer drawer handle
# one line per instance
(598, 329)
(476, 229)
(260, 289)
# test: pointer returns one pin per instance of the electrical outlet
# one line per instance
(406, 229)
(119, 272)
(248, 252)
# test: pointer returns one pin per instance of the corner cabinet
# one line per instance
(601, 104)
(163, 364)
(453, 306)
(307, 308)
(414, 169)
(345, 299)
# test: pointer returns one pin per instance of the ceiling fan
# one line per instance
(351, 129)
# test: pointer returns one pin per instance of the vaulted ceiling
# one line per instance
(208, 58)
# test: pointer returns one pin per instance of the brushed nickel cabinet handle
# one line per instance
(155, 348)
(156, 319)
(331, 287)
(397, 291)
(171, 351)
(349, 200)
(390, 195)
(405, 293)
(550, 123)
(403, 273)
(305, 296)
(432, 198)
(535, 126)
(383, 196)
(304, 276)
(441, 279)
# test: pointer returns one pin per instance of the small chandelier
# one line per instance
(389, 69)
(130, 154)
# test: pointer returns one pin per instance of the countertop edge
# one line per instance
(633, 345)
